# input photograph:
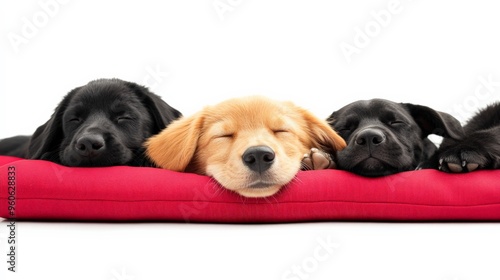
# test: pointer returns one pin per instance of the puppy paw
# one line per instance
(317, 160)
(462, 159)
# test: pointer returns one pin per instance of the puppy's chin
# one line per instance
(259, 191)
(372, 167)
(111, 158)
(250, 184)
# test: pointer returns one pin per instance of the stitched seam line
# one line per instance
(258, 203)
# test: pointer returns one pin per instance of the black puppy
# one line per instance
(384, 137)
(103, 123)
(479, 148)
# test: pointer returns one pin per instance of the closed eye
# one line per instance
(74, 120)
(345, 128)
(345, 131)
(396, 122)
(123, 119)
(228, 135)
(280, 131)
(350, 124)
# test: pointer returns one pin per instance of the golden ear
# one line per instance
(322, 134)
(173, 148)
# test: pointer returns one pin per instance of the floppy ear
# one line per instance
(331, 120)
(435, 122)
(323, 136)
(162, 113)
(45, 142)
(174, 147)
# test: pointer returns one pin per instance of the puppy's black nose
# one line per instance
(258, 158)
(370, 137)
(90, 145)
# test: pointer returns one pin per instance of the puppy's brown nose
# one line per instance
(370, 137)
(258, 158)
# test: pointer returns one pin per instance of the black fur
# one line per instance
(384, 137)
(478, 149)
(103, 123)
(16, 146)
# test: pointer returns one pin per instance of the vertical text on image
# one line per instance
(11, 210)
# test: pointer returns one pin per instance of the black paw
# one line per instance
(462, 159)
(316, 160)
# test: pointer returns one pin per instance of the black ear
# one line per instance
(162, 113)
(332, 118)
(46, 140)
(435, 122)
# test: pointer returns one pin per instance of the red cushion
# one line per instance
(5, 159)
(45, 190)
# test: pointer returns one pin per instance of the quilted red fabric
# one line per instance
(47, 191)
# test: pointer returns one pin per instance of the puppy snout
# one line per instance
(90, 145)
(370, 137)
(259, 158)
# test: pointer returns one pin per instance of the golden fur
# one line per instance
(212, 142)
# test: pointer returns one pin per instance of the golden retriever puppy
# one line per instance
(250, 145)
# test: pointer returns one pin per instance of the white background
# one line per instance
(433, 53)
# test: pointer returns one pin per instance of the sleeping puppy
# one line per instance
(479, 148)
(251, 145)
(103, 123)
(385, 137)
